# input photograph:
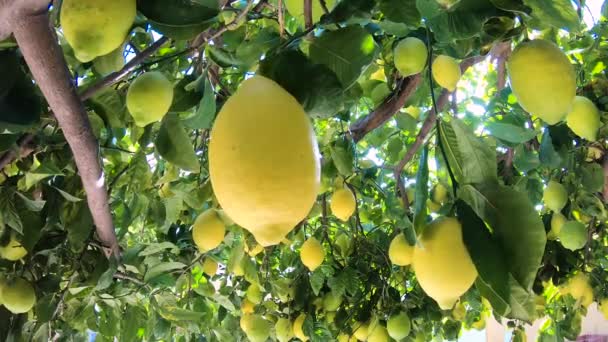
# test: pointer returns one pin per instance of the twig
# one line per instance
(281, 17)
(123, 276)
(307, 14)
(401, 188)
(24, 148)
(387, 109)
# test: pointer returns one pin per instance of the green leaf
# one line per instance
(343, 155)
(159, 247)
(488, 257)
(400, 11)
(421, 194)
(317, 279)
(106, 279)
(174, 145)
(7, 141)
(406, 122)
(472, 159)
(510, 133)
(592, 177)
(178, 13)
(45, 170)
(350, 9)
(110, 106)
(8, 213)
(557, 13)
(224, 301)
(347, 52)
(185, 98)
(522, 302)
(176, 314)
(162, 268)
(32, 205)
(547, 154)
(78, 222)
(515, 224)
(66, 195)
(315, 86)
(205, 113)
(525, 159)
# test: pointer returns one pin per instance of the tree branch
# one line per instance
(45, 60)
(23, 149)
(387, 109)
(307, 14)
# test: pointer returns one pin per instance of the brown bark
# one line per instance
(307, 14)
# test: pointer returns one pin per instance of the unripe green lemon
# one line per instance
(442, 263)
(380, 92)
(283, 329)
(400, 252)
(543, 80)
(446, 72)
(557, 222)
(96, 27)
(573, 235)
(254, 294)
(208, 230)
(399, 326)
(439, 194)
(149, 98)
(111, 62)
(18, 296)
(312, 253)
(361, 331)
(331, 301)
(13, 251)
(433, 207)
(210, 267)
(343, 203)
(379, 334)
(555, 196)
(258, 328)
(415, 113)
(584, 118)
(459, 311)
(410, 56)
(247, 307)
(297, 328)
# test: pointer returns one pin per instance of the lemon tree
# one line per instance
(381, 170)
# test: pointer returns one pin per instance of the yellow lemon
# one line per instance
(579, 288)
(247, 307)
(296, 9)
(415, 113)
(96, 27)
(210, 267)
(283, 329)
(442, 263)
(208, 230)
(361, 331)
(149, 98)
(542, 79)
(13, 251)
(342, 337)
(297, 328)
(446, 72)
(439, 193)
(18, 296)
(557, 221)
(410, 56)
(257, 249)
(604, 308)
(555, 196)
(594, 153)
(312, 253)
(584, 118)
(264, 160)
(254, 294)
(399, 326)
(400, 252)
(343, 203)
(378, 334)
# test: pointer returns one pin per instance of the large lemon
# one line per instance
(379, 334)
(542, 79)
(208, 230)
(312, 253)
(573, 235)
(343, 203)
(361, 331)
(584, 118)
(149, 98)
(297, 328)
(555, 196)
(13, 251)
(283, 329)
(557, 222)
(442, 263)
(296, 9)
(399, 326)
(18, 296)
(210, 267)
(446, 72)
(264, 160)
(400, 252)
(410, 56)
(579, 288)
(96, 27)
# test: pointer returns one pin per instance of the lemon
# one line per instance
(604, 308)
(399, 326)
(410, 56)
(245, 322)
(584, 118)
(330, 316)
(579, 288)
(208, 230)
(442, 263)
(296, 9)
(542, 79)
(415, 113)
(247, 307)
(96, 27)
(264, 160)
(257, 249)
(400, 252)
(479, 324)
(555, 196)
(361, 331)
(433, 207)
(149, 98)
(331, 301)
(342, 337)
(379, 93)
(254, 294)
(312, 253)
(111, 62)
(13, 251)
(18, 296)
(439, 194)
(256, 328)
(378, 334)
(283, 329)
(343, 203)
(210, 267)
(557, 222)
(297, 328)
(446, 72)
(573, 235)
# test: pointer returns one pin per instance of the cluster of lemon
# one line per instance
(17, 295)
